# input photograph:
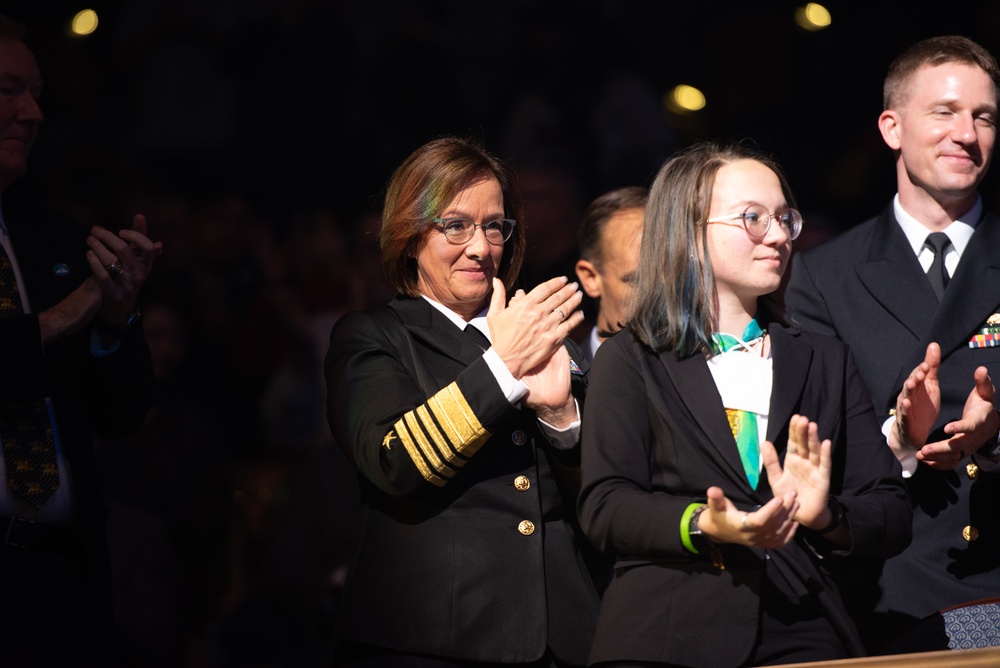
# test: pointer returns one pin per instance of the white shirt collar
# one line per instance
(960, 231)
(479, 321)
(595, 340)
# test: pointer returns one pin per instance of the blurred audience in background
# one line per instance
(258, 139)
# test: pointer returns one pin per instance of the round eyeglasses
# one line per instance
(757, 221)
(459, 230)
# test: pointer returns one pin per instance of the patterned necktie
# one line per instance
(743, 423)
(938, 273)
(29, 448)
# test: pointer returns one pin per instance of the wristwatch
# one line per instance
(699, 540)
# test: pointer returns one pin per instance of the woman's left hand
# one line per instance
(549, 392)
(808, 464)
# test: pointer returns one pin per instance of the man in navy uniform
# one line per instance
(915, 292)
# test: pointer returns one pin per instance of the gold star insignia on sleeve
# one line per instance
(387, 441)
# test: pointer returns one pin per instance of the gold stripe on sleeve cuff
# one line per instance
(441, 435)
(459, 423)
(414, 452)
(417, 426)
(445, 450)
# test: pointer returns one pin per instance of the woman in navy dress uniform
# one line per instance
(461, 412)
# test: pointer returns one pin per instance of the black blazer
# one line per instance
(469, 548)
(867, 288)
(655, 437)
(109, 395)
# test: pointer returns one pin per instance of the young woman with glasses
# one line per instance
(731, 462)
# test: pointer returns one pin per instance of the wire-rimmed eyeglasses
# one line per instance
(460, 230)
(757, 221)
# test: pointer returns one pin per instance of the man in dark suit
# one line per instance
(915, 292)
(74, 364)
(610, 235)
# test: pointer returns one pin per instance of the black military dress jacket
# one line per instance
(867, 288)
(656, 437)
(469, 546)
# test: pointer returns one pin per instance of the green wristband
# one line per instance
(685, 527)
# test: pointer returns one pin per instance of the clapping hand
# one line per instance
(808, 464)
(121, 264)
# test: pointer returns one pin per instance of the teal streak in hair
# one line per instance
(687, 299)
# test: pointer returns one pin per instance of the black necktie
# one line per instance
(29, 447)
(477, 336)
(938, 273)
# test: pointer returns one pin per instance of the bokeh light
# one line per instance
(84, 23)
(813, 16)
(684, 99)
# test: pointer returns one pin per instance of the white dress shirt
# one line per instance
(512, 388)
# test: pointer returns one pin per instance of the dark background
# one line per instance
(258, 136)
(319, 99)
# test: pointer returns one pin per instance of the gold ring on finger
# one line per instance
(114, 269)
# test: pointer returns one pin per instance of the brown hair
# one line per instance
(674, 305)
(421, 188)
(600, 211)
(932, 52)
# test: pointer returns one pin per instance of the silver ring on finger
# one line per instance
(562, 316)
(743, 522)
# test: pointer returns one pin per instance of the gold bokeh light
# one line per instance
(684, 99)
(813, 16)
(84, 23)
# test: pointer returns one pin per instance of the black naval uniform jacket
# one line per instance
(469, 546)
(867, 288)
(656, 437)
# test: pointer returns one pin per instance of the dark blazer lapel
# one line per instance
(966, 304)
(790, 372)
(54, 243)
(894, 277)
(435, 330)
(696, 388)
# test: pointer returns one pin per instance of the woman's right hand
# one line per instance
(531, 328)
(770, 526)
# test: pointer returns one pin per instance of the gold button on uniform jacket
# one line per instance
(469, 546)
